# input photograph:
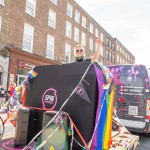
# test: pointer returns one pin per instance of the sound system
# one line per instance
(55, 133)
(55, 85)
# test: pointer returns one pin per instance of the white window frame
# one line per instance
(117, 47)
(0, 23)
(28, 37)
(102, 37)
(67, 53)
(91, 28)
(28, 8)
(84, 22)
(54, 1)
(76, 34)
(50, 47)
(96, 32)
(68, 29)
(91, 44)
(83, 38)
(77, 16)
(69, 10)
(52, 19)
(2, 2)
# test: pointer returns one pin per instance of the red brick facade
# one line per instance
(14, 17)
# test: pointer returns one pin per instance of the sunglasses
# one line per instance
(79, 50)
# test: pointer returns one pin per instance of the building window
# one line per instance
(110, 56)
(101, 50)
(107, 55)
(106, 41)
(123, 52)
(117, 47)
(113, 58)
(54, 1)
(67, 53)
(128, 57)
(91, 44)
(0, 23)
(120, 60)
(69, 10)
(110, 44)
(83, 39)
(91, 28)
(68, 29)
(117, 58)
(113, 46)
(96, 32)
(83, 22)
(28, 37)
(102, 37)
(2, 2)
(120, 50)
(76, 34)
(50, 47)
(77, 16)
(52, 19)
(31, 7)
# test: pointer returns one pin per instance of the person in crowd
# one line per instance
(2, 95)
(11, 89)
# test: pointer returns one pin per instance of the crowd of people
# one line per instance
(5, 94)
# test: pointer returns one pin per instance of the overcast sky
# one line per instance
(127, 20)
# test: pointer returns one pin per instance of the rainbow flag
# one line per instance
(32, 74)
(103, 125)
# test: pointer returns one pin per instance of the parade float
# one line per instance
(68, 106)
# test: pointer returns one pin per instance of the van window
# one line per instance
(131, 81)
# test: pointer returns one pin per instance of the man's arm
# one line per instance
(97, 53)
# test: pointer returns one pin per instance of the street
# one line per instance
(144, 141)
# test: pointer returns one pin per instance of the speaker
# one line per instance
(55, 134)
(24, 130)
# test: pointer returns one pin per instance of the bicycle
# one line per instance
(2, 128)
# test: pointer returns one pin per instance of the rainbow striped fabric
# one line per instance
(103, 126)
(32, 74)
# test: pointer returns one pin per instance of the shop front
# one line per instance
(22, 62)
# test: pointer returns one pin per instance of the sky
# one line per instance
(126, 20)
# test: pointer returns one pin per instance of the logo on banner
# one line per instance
(80, 90)
(49, 99)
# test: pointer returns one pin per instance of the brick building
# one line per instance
(42, 32)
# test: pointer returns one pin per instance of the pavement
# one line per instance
(9, 130)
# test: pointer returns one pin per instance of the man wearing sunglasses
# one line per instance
(80, 53)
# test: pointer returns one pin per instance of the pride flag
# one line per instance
(32, 74)
(103, 125)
